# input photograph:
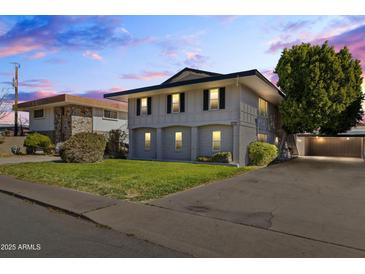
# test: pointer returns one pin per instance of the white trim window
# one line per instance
(263, 107)
(144, 106)
(175, 103)
(38, 113)
(178, 140)
(110, 114)
(216, 140)
(262, 137)
(147, 141)
(214, 99)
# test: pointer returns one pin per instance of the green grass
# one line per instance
(122, 179)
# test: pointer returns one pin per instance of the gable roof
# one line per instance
(67, 99)
(197, 72)
(215, 77)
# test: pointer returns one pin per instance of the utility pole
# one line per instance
(16, 85)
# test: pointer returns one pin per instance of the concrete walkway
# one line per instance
(28, 159)
(200, 236)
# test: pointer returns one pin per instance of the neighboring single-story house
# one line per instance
(199, 113)
(348, 144)
(64, 115)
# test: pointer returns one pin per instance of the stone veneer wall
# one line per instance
(70, 120)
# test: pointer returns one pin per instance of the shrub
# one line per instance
(37, 140)
(261, 153)
(116, 146)
(2, 139)
(204, 159)
(222, 157)
(84, 147)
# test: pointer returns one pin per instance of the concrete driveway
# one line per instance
(319, 198)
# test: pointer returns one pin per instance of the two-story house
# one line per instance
(198, 113)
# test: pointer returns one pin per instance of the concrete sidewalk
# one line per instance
(196, 235)
(28, 159)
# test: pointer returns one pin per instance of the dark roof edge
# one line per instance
(253, 72)
(189, 69)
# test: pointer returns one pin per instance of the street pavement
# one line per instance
(31, 230)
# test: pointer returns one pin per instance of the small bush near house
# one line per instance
(222, 157)
(2, 139)
(84, 147)
(37, 140)
(117, 146)
(261, 153)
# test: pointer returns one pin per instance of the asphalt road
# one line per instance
(31, 230)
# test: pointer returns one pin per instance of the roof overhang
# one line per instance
(66, 99)
(252, 79)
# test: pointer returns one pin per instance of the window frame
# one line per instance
(144, 109)
(178, 149)
(215, 141)
(40, 117)
(178, 102)
(264, 113)
(145, 146)
(210, 100)
(110, 111)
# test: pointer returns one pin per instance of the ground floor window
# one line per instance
(110, 114)
(216, 140)
(38, 113)
(147, 141)
(262, 137)
(178, 140)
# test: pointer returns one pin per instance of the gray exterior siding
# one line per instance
(205, 146)
(168, 143)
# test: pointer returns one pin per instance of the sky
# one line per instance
(93, 55)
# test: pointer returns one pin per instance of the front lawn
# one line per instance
(123, 179)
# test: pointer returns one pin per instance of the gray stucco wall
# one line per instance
(168, 143)
(205, 139)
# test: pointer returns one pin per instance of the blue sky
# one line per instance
(92, 55)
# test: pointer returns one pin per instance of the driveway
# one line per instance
(317, 198)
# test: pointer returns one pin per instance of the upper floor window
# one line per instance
(110, 114)
(216, 140)
(175, 103)
(262, 137)
(214, 99)
(144, 106)
(147, 141)
(38, 113)
(178, 140)
(263, 109)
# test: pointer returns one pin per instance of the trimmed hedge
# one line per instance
(84, 147)
(219, 157)
(36, 140)
(261, 153)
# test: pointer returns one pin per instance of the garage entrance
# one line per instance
(333, 146)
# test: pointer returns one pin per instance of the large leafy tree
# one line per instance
(322, 87)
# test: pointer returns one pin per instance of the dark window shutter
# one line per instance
(168, 103)
(222, 98)
(138, 106)
(206, 99)
(149, 105)
(182, 102)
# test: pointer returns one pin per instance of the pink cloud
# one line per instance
(146, 75)
(37, 84)
(92, 55)
(38, 55)
(195, 59)
(18, 47)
